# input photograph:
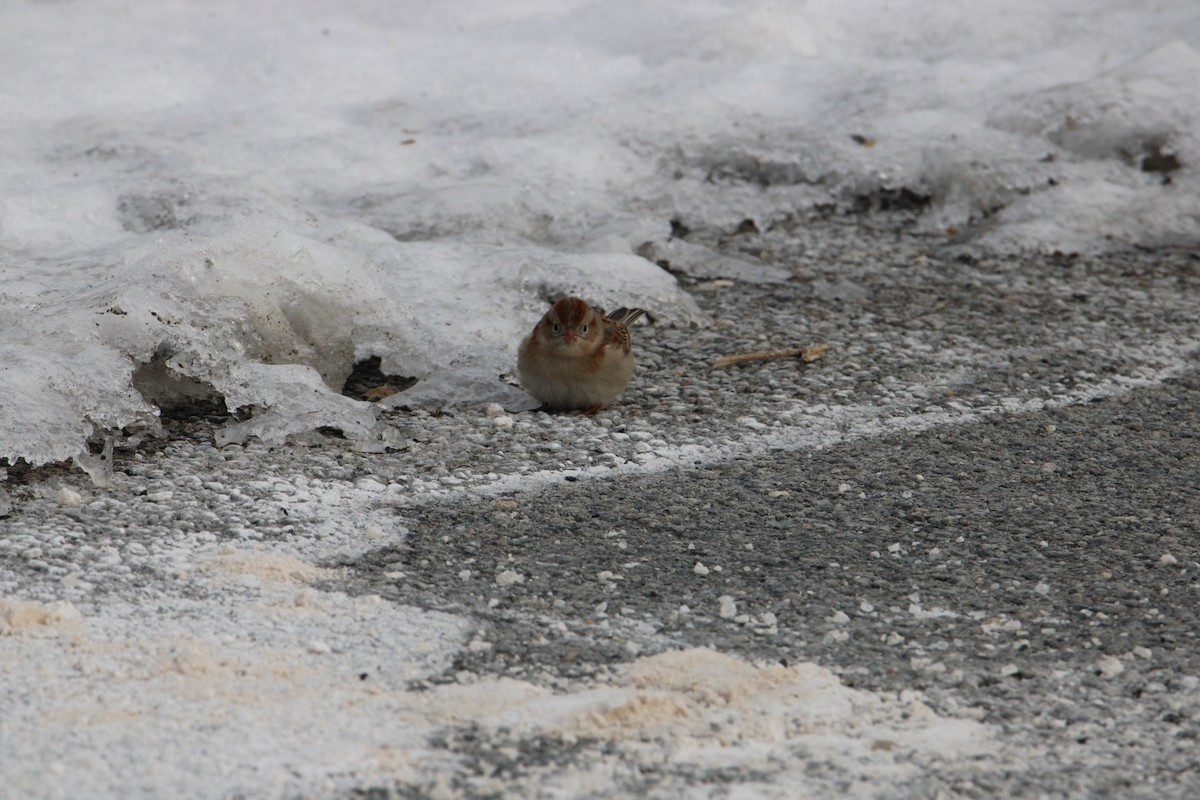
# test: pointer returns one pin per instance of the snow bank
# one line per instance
(242, 201)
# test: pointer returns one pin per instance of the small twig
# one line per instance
(806, 354)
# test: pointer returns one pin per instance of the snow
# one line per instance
(202, 199)
(88, 681)
(286, 715)
(241, 201)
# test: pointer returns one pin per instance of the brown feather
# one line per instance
(531, 344)
(571, 311)
(626, 316)
(618, 327)
(617, 335)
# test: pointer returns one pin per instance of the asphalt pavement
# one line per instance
(985, 493)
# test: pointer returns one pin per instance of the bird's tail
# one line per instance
(626, 316)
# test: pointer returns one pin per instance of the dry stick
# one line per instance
(805, 354)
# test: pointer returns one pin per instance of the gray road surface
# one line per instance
(987, 492)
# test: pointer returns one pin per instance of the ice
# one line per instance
(701, 262)
(60, 385)
(236, 203)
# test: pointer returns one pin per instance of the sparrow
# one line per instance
(577, 358)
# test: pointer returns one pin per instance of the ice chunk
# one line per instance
(61, 385)
(701, 262)
(287, 399)
(98, 466)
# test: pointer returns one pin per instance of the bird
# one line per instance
(578, 358)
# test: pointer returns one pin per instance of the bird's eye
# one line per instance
(554, 325)
(583, 329)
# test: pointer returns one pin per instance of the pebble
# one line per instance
(509, 577)
(1109, 666)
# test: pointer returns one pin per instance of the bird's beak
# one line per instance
(569, 336)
